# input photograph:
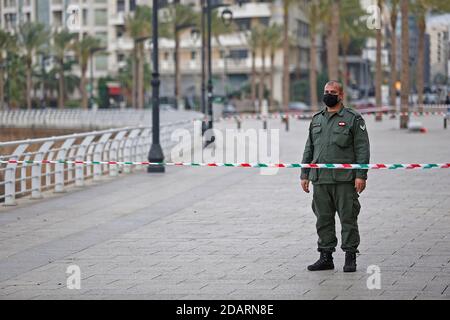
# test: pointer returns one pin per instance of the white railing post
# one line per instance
(113, 152)
(79, 169)
(98, 152)
(10, 176)
(36, 171)
(128, 149)
(59, 167)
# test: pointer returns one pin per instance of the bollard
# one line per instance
(239, 124)
(265, 124)
(445, 122)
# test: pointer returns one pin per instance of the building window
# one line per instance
(239, 54)
(101, 17)
(101, 62)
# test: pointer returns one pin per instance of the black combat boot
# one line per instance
(325, 262)
(350, 262)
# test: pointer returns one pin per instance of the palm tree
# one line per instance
(62, 43)
(405, 64)
(332, 39)
(179, 17)
(83, 51)
(139, 28)
(275, 39)
(7, 44)
(393, 55)
(263, 44)
(315, 13)
(253, 37)
(378, 72)
(286, 46)
(351, 32)
(420, 8)
(32, 36)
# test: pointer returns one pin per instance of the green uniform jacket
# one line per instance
(337, 138)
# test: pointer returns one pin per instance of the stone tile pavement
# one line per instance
(231, 233)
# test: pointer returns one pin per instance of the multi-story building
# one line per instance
(438, 27)
(232, 61)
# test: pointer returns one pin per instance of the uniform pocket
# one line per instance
(343, 175)
(342, 137)
(315, 134)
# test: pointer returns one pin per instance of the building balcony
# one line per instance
(121, 44)
(251, 10)
(117, 19)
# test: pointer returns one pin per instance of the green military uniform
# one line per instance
(339, 137)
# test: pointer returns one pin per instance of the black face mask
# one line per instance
(331, 99)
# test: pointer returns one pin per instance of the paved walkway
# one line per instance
(231, 233)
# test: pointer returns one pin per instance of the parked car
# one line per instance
(229, 110)
(166, 107)
(298, 106)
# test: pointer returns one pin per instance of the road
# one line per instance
(231, 233)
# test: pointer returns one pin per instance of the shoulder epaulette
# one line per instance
(354, 112)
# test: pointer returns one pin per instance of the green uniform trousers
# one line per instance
(343, 198)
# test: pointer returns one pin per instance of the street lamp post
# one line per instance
(227, 16)
(203, 57)
(156, 154)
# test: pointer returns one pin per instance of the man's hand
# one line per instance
(360, 185)
(305, 185)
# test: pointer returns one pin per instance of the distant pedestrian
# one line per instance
(336, 135)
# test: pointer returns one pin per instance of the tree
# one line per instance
(32, 36)
(139, 28)
(393, 55)
(263, 44)
(420, 8)
(274, 38)
(405, 64)
(286, 48)
(253, 37)
(83, 49)
(332, 39)
(63, 41)
(352, 33)
(378, 71)
(179, 17)
(7, 45)
(315, 13)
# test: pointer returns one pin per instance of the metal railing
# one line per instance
(87, 119)
(120, 144)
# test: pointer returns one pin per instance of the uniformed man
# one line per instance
(336, 135)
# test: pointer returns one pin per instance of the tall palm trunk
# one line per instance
(420, 60)
(393, 77)
(313, 71)
(29, 82)
(378, 75)
(333, 42)
(61, 86)
(253, 89)
(135, 75)
(344, 70)
(177, 69)
(140, 80)
(286, 74)
(404, 118)
(272, 72)
(83, 83)
(2, 84)
(262, 79)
